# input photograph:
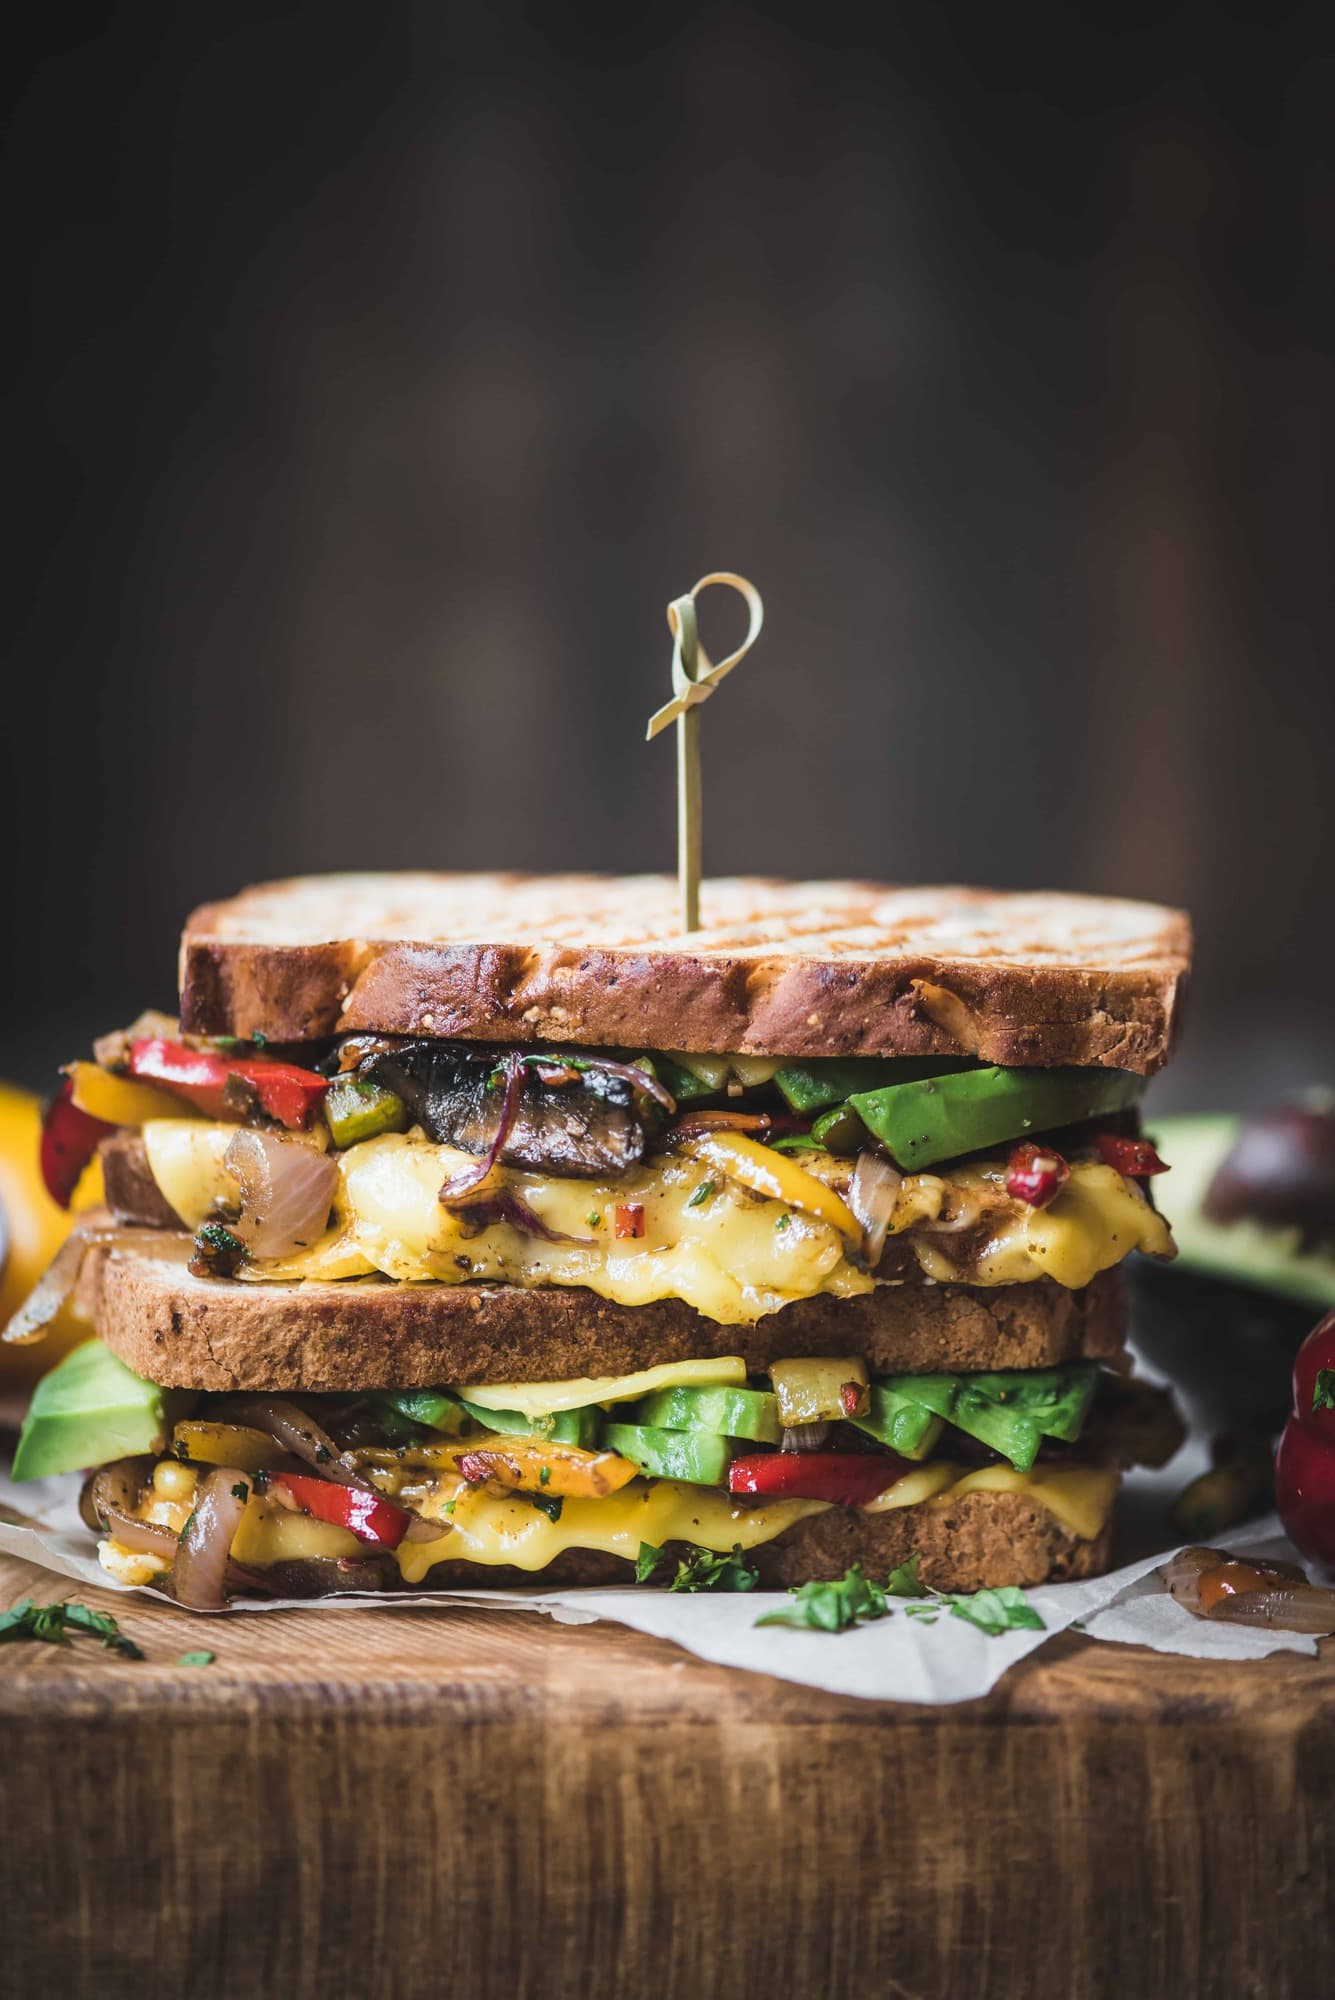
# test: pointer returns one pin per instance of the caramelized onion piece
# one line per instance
(287, 1189)
(58, 1282)
(872, 1197)
(1248, 1590)
(199, 1574)
(107, 1503)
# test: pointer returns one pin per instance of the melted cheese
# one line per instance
(490, 1531)
(537, 1399)
(735, 1230)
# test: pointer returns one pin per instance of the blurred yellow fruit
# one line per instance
(34, 1228)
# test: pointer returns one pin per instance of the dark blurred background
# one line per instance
(376, 375)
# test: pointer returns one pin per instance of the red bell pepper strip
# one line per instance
(70, 1137)
(369, 1516)
(1136, 1158)
(201, 1076)
(848, 1478)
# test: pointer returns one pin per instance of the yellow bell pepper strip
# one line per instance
(774, 1175)
(533, 1465)
(118, 1100)
(227, 1444)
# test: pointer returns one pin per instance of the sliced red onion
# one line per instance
(872, 1197)
(721, 1120)
(1304, 1608)
(805, 1437)
(301, 1435)
(506, 1206)
(199, 1574)
(61, 1277)
(287, 1190)
(477, 1170)
(630, 1072)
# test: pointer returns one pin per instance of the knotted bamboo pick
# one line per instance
(694, 679)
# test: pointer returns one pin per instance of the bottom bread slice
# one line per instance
(980, 1540)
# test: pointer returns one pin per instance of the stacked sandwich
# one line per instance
(472, 1228)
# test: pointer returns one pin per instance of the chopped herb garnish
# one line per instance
(544, 1475)
(702, 1193)
(831, 1607)
(705, 1569)
(549, 1504)
(904, 1581)
(594, 1218)
(241, 1491)
(1323, 1389)
(260, 1039)
(216, 1236)
(646, 1562)
(1005, 1609)
(449, 1505)
(54, 1623)
(322, 1454)
(200, 1659)
(782, 1222)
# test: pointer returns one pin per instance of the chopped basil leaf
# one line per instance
(702, 1193)
(1323, 1390)
(594, 1218)
(782, 1222)
(241, 1491)
(704, 1569)
(547, 1503)
(904, 1581)
(196, 1659)
(646, 1562)
(1005, 1609)
(217, 1237)
(832, 1607)
(53, 1623)
(544, 1475)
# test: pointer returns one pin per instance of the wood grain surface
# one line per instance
(453, 1802)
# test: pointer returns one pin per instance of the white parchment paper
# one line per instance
(898, 1658)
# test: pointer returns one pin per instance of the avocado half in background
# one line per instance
(1252, 1206)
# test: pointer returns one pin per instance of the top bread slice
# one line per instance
(797, 969)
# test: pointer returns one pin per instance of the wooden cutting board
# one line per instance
(425, 1802)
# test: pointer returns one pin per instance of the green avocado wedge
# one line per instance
(1244, 1252)
(1012, 1411)
(91, 1409)
(941, 1117)
(578, 1427)
(830, 1080)
(726, 1412)
(697, 1456)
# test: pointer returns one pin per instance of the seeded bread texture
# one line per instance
(800, 969)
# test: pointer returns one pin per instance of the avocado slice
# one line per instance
(726, 1412)
(897, 1418)
(941, 1117)
(578, 1427)
(697, 1456)
(435, 1408)
(1012, 1411)
(89, 1410)
(1244, 1252)
(830, 1080)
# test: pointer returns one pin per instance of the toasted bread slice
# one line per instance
(800, 969)
(968, 1541)
(367, 1333)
